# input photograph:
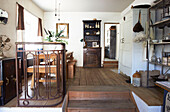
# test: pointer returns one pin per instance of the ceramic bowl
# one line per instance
(154, 41)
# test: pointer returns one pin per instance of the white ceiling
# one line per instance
(85, 5)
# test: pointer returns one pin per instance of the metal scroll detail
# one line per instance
(43, 73)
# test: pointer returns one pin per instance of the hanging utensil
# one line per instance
(138, 27)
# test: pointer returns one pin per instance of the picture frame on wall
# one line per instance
(65, 28)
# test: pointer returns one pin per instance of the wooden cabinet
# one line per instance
(92, 57)
(8, 75)
(92, 49)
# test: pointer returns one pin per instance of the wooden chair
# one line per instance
(42, 70)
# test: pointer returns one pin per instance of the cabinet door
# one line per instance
(9, 78)
(92, 58)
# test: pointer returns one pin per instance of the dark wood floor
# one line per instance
(106, 77)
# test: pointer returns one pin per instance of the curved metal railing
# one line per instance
(42, 84)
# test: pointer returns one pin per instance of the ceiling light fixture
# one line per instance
(59, 12)
(57, 9)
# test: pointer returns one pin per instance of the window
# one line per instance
(31, 30)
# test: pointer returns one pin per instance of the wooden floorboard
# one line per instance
(106, 77)
(103, 104)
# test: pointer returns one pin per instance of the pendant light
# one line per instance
(55, 7)
(59, 12)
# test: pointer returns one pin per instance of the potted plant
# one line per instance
(52, 37)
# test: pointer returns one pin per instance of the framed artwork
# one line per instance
(64, 28)
(94, 44)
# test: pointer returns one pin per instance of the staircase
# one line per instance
(110, 64)
(99, 99)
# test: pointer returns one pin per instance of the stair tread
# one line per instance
(115, 61)
(100, 104)
(99, 88)
(110, 64)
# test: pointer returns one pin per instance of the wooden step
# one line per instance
(99, 99)
(106, 62)
(110, 65)
(100, 106)
(98, 93)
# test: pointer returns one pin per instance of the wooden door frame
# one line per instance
(105, 32)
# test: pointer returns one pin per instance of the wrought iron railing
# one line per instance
(43, 81)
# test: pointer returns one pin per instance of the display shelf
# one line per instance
(161, 23)
(92, 28)
(92, 48)
(92, 35)
(161, 43)
(92, 40)
(157, 5)
(156, 63)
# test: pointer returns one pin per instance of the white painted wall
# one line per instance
(76, 28)
(125, 54)
(10, 28)
(131, 53)
(138, 49)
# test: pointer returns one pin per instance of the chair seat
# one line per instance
(42, 69)
(50, 62)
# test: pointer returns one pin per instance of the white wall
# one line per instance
(139, 51)
(76, 28)
(131, 53)
(10, 28)
(125, 54)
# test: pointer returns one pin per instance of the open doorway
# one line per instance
(111, 33)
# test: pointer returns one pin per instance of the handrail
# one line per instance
(47, 92)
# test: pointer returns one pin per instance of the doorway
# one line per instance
(111, 34)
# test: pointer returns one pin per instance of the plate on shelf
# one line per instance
(165, 18)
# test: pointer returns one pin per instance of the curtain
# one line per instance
(40, 27)
(40, 34)
(20, 24)
(20, 28)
